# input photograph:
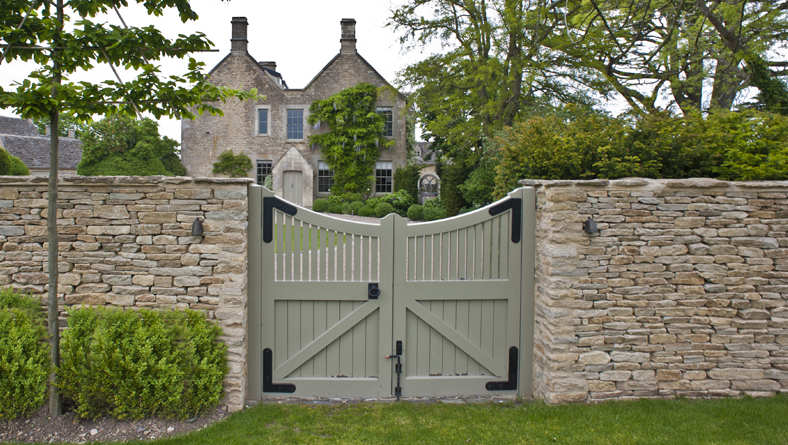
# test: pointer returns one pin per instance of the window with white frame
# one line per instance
(262, 121)
(295, 124)
(263, 170)
(325, 177)
(383, 177)
(388, 120)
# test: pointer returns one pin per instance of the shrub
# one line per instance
(399, 200)
(354, 207)
(434, 209)
(24, 355)
(232, 165)
(133, 364)
(268, 182)
(336, 208)
(351, 197)
(452, 177)
(18, 168)
(383, 209)
(5, 162)
(366, 211)
(415, 212)
(172, 163)
(320, 205)
(407, 179)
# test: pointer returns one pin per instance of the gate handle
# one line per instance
(373, 291)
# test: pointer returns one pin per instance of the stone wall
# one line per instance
(126, 241)
(683, 291)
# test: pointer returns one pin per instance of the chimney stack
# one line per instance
(238, 41)
(348, 40)
(47, 130)
(270, 65)
(72, 133)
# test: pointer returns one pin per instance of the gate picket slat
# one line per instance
(503, 271)
(495, 233)
(488, 313)
(356, 275)
(436, 340)
(331, 250)
(293, 331)
(428, 245)
(320, 327)
(470, 248)
(366, 262)
(298, 237)
(474, 332)
(479, 253)
(340, 252)
(445, 259)
(279, 258)
(345, 343)
(348, 240)
(461, 359)
(287, 246)
(449, 350)
(436, 257)
(307, 323)
(462, 254)
(453, 256)
(314, 252)
(332, 351)
(486, 246)
(375, 260)
(418, 274)
(410, 274)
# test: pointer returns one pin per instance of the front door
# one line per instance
(292, 186)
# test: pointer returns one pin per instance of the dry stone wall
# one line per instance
(683, 291)
(126, 241)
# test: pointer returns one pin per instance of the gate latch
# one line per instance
(373, 291)
(397, 368)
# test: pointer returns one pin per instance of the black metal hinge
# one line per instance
(511, 384)
(515, 204)
(269, 204)
(268, 375)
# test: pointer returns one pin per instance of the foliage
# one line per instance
(735, 146)
(5, 162)
(452, 176)
(415, 212)
(366, 211)
(354, 137)
(18, 168)
(24, 355)
(269, 182)
(121, 145)
(407, 179)
(478, 188)
(133, 364)
(383, 209)
(233, 165)
(338, 209)
(354, 207)
(400, 200)
(434, 209)
(65, 123)
(320, 205)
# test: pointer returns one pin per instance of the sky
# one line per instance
(301, 36)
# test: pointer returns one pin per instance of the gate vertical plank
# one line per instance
(488, 322)
(360, 345)
(372, 339)
(320, 327)
(293, 331)
(411, 259)
(462, 254)
(340, 253)
(487, 230)
(346, 343)
(449, 350)
(357, 263)
(474, 332)
(506, 237)
(314, 252)
(479, 253)
(436, 257)
(495, 241)
(418, 274)
(500, 350)
(365, 261)
(423, 347)
(428, 246)
(453, 256)
(445, 258)
(527, 292)
(307, 323)
(461, 358)
(287, 247)
(348, 256)
(375, 260)
(436, 340)
(298, 249)
(332, 351)
(257, 265)
(277, 246)
(280, 326)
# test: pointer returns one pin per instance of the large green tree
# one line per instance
(63, 38)
(123, 146)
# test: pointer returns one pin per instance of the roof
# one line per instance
(21, 138)
(424, 154)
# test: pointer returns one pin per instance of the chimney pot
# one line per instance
(72, 133)
(238, 42)
(348, 39)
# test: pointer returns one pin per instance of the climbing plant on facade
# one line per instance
(354, 137)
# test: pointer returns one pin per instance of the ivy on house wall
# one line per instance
(354, 138)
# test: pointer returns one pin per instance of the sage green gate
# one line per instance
(330, 299)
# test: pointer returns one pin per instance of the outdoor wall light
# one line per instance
(590, 227)
(197, 227)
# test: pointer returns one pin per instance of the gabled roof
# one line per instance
(331, 62)
(21, 138)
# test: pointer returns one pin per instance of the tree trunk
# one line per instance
(53, 314)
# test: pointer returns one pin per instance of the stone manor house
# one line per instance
(274, 132)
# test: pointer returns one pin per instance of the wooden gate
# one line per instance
(335, 305)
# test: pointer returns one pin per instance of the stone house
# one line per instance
(21, 138)
(274, 132)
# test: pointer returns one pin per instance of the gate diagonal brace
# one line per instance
(269, 204)
(268, 375)
(515, 204)
(511, 384)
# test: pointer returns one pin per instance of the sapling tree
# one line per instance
(37, 31)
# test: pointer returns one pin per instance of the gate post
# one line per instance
(254, 297)
(525, 389)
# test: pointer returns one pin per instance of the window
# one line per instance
(295, 124)
(262, 121)
(388, 119)
(263, 170)
(325, 177)
(383, 180)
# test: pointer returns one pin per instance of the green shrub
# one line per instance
(24, 355)
(5, 162)
(232, 165)
(366, 211)
(415, 212)
(18, 168)
(268, 182)
(336, 208)
(434, 209)
(351, 197)
(407, 179)
(320, 205)
(399, 200)
(383, 209)
(354, 207)
(452, 177)
(172, 163)
(134, 364)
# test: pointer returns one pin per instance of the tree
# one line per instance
(123, 146)
(354, 137)
(36, 31)
(233, 165)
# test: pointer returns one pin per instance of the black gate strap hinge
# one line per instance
(515, 204)
(268, 375)
(511, 384)
(269, 204)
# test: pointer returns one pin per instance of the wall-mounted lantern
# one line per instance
(197, 227)
(590, 227)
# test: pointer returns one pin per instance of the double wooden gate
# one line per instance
(347, 309)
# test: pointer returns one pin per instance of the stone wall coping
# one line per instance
(704, 183)
(121, 180)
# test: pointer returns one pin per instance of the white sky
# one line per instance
(301, 36)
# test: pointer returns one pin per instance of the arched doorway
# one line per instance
(429, 186)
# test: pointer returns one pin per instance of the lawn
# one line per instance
(680, 421)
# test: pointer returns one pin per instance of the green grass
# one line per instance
(680, 421)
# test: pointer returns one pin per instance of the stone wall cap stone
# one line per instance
(140, 179)
(631, 182)
(696, 182)
(762, 184)
(225, 180)
(563, 182)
